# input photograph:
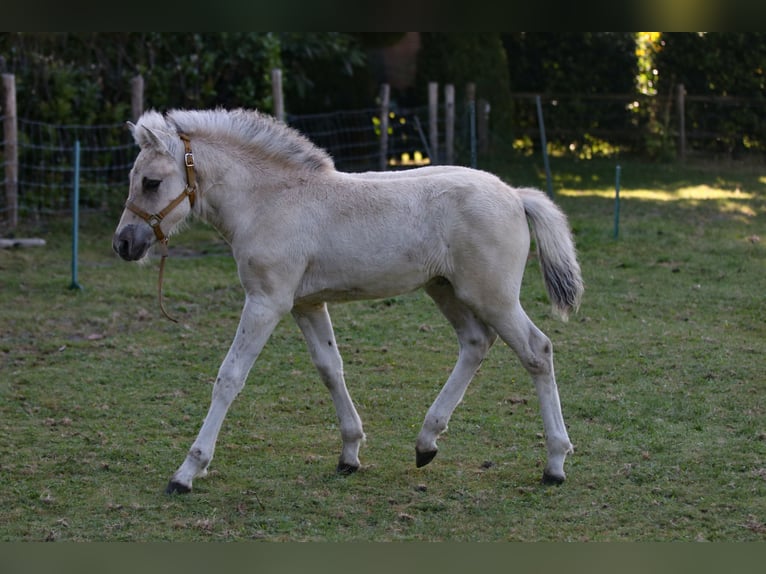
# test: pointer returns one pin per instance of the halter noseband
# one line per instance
(155, 219)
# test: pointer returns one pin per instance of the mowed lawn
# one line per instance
(661, 376)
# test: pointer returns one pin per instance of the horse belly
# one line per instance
(374, 277)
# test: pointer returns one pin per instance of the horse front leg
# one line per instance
(255, 327)
(314, 322)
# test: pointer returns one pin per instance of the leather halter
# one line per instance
(155, 219)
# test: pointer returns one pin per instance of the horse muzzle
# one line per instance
(132, 241)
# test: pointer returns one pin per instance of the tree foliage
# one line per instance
(649, 66)
(462, 58)
(714, 63)
(727, 64)
(85, 77)
(571, 62)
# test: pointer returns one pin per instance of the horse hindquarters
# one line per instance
(487, 274)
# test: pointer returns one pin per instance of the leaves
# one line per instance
(84, 78)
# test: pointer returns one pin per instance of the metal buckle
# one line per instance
(153, 221)
(189, 159)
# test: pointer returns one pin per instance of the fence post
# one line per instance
(385, 98)
(433, 120)
(483, 125)
(10, 134)
(470, 97)
(75, 214)
(449, 120)
(136, 96)
(544, 144)
(681, 97)
(276, 90)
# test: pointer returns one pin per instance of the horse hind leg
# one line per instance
(535, 351)
(475, 339)
(316, 327)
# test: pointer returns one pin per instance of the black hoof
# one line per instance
(423, 458)
(345, 469)
(177, 488)
(552, 478)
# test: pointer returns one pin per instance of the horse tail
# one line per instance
(556, 251)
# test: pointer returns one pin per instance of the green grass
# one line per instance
(660, 374)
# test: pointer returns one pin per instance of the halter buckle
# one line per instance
(189, 159)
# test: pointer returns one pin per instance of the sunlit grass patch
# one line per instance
(686, 194)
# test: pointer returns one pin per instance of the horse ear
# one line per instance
(152, 138)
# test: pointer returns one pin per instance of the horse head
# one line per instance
(161, 179)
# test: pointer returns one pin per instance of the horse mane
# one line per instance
(248, 129)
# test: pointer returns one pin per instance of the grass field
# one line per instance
(661, 376)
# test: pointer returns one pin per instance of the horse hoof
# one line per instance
(423, 458)
(177, 488)
(345, 469)
(555, 479)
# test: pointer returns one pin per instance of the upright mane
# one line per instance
(250, 129)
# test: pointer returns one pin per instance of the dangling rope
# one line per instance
(155, 219)
(164, 249)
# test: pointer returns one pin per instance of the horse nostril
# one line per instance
(132, 242)
(121, 246)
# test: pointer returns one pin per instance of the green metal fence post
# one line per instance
(75, 214)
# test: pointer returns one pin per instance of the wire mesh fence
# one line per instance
(574, 121)
(654, 127)
(348, 136)
(587, 125)
(46, 166)
(46, 156)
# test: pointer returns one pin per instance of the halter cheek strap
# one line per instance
(155, 219)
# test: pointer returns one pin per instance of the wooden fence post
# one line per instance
(276, 90)
(470, 92)
(433, 121)
(449, 128)
(482, 124)
(470, 99)
(681, 96)
(385, 99)
(11, 152)
(136, 97)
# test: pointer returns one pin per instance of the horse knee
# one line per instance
(475, 345)
(474, 351)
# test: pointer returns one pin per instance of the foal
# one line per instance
(303, 233)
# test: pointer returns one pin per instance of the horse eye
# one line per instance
(151, 184)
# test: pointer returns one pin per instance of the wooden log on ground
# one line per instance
(30, 242)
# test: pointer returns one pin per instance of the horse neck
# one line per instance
(231, 181)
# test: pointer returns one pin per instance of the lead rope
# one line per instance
(191, 193)
(164, 252)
